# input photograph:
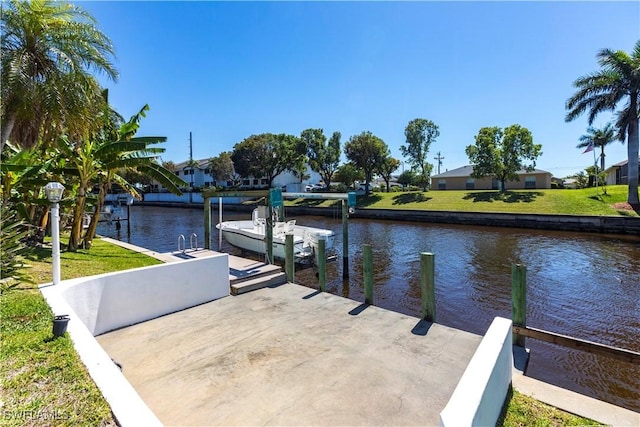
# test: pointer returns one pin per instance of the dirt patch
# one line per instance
(624, 207)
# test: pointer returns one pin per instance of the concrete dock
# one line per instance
(288, 355)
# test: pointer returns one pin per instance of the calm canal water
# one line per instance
(582, 285)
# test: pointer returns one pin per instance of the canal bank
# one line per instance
(580, 223)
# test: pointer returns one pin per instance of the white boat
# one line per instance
(250, 235)
(111, 213)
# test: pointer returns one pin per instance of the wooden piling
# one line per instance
(427, 286)
(519, 300)
(345, 240)
(322, 264)
(288, 265)
(367, 259)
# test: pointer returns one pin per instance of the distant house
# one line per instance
(460, 179)
(619, 173)
(198, 176)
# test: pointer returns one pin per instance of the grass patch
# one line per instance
(43, 380)
(549, 202)
(520, 410)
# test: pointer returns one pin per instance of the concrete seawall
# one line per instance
(597, 224)
(594, 224)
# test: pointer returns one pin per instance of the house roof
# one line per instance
(620, 164)
(467, 170)
(201, 164)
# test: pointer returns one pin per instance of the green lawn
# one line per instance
(521, 410)
(45, 383)
(43, 380)
(550, 202)
(571, 202)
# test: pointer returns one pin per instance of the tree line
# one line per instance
(496, 153)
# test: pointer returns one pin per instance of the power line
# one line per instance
(439, 158)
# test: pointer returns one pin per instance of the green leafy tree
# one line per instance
(406, 178)
(618, 80)
(222, 167)
(599, 138)
(367, 152)
(348, 174)
(324, 157)
(420, 134)
(502, 154)
(267, 155)
(582, 179)
(48, 51)
(386, 168)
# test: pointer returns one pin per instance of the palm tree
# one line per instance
(599, 138)
(48, 49)
(618, 80)
(101, 161)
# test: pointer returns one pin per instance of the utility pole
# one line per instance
(439, 158)
(191, 172)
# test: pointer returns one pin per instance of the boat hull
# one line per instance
(251, 237)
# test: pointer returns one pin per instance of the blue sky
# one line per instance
(226, 70)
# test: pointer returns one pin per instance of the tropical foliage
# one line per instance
(617, 81)
(502, 154)
(12, 248)
(598, 138)
(48, 51)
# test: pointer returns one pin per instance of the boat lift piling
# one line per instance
(427, 286)
(322, 265)
(367, 268)
(289, 266)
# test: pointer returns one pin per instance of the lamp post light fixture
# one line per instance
(54, 191)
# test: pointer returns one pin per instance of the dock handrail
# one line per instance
(193, 237)
(184, 243)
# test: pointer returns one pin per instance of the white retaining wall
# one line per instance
(98, 304)
(480, 394)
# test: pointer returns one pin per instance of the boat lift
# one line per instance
(275, 198)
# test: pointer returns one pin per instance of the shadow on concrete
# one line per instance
(414, 197)
(359, 309)
(311, 295)
(521, 358)
(422, 327)
(506, 196)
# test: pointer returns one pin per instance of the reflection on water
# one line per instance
(582, 285)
